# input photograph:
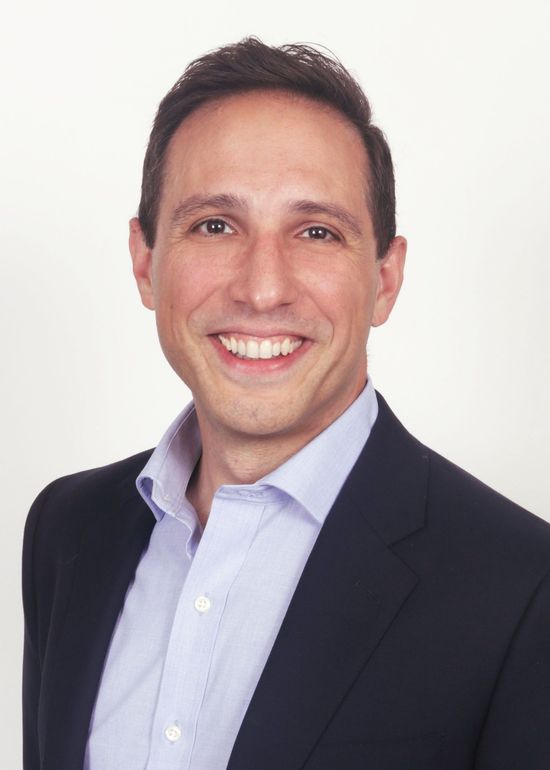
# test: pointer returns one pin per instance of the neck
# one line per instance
(233, 460)
(231, 457)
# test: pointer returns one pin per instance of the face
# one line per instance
(264, 276)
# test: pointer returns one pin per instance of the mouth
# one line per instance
(266, 348)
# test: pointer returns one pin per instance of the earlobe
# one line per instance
(142, 262)
(390, 278)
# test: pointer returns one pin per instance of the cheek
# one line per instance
(181, 288)
(348, 304)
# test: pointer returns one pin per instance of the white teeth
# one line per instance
(252, 349)
(265, 349)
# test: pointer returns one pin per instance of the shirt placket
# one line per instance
(231, 528)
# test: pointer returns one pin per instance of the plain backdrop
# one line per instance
(461, 90)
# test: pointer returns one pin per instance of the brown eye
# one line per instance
(320, 233)
(214, 227)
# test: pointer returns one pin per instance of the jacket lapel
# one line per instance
(351, 589)
(112, 543)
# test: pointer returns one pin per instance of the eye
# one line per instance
(319, 233)
(213, 227)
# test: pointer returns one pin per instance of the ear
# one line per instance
(390, 278)
(142, 261)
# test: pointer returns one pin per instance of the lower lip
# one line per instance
(259, 365)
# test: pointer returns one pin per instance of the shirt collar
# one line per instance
(313, 476)
(163, 481)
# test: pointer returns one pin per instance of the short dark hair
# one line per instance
(252, 65)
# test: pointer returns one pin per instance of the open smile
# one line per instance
(253, 348)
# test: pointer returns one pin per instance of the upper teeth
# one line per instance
(254, 349)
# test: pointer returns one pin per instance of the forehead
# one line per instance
(270, 138)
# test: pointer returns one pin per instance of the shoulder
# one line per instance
(464, 503)
(480, 541)
(464, 521)
(95, 480)
(64, 506)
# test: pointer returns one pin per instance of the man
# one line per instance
(296, 582)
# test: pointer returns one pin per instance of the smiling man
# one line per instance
(290, 580)
(264, 277)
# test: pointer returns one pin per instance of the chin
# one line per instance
(258, 425)
(254, 420)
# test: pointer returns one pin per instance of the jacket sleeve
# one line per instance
(517, 727)
(31, 655)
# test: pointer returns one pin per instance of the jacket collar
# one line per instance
(352, 588)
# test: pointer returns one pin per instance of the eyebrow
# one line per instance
(228, 201)
(328, 209)
(196, 203)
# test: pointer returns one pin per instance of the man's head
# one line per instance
(253, 66)
(263, 266)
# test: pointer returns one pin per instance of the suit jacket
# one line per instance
(418, 637)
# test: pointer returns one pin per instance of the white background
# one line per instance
(461, 90)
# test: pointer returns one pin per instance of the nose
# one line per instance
(265, 279)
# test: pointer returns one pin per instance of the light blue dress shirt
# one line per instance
(203, 612)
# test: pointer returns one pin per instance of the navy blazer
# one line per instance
(418, 637)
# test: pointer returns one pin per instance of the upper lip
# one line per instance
(259, 334)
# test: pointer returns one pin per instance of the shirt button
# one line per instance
(173, 733)
(202, 604)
